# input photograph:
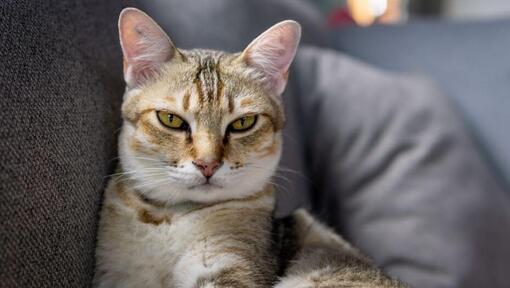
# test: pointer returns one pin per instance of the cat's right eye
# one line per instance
(172, 121)
(242, 124)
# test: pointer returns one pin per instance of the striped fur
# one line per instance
(324, 260)
(164, 223)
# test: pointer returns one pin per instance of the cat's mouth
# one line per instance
(206, 185)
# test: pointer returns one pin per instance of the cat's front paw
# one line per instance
(294, 282)
(205, 285)
(222, 285)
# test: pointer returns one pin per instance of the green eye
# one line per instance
(171, 120)
(243, 123)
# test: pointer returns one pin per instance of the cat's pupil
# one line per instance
(242, 121)
(170, 118)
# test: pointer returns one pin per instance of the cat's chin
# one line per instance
(205, 187)
(201, 193)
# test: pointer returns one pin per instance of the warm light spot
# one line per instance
(378, 7)
(393, 13)
(361, 12)
(367, 12)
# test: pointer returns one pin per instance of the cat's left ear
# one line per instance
(145, 46)
(272, 52)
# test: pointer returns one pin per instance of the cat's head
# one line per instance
(201, 125)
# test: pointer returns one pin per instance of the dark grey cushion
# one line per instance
(399, 176)
(60, 88)
(469, 61)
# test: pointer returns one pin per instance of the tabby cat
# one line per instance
(191, 204)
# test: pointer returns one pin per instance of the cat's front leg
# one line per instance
(324, 259)
(197, 269)
(229, 250)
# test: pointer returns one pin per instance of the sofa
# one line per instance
(395, 136)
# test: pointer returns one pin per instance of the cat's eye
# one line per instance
(242, 124)
(172, 121)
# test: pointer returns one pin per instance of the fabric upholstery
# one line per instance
(60, 88)
(228, 24)
(468, 60)
(396, 172)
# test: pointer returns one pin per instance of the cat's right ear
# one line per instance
(145, 46)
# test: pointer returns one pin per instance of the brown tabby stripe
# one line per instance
(246, 102)
(198, 85)
(230, 103)
(185, 101)
(284, 242)
(207, 80)
(145, 216)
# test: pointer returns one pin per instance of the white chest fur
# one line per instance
(142, 248)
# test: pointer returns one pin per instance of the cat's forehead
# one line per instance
(208, 80)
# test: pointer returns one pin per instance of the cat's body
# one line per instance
(233, 243)
(192, 203)
(149, 245)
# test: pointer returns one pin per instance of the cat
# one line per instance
(192, 204)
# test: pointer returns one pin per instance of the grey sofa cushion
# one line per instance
(60, 88)
(398, 175)
(468, 60)
(229, 24)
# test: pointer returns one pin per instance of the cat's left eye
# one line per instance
(171, 120)
(244, 123)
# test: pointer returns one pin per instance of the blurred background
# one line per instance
(369, 12)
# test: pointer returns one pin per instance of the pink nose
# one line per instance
(207, 168)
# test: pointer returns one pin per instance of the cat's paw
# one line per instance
(206, 285)
(294, 282)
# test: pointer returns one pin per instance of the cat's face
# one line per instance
(201, 125)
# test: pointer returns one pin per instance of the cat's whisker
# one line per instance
(132, 175)
(283, 170)
(125, 179)
(171, 198)
(274, 175)
(280, 188)
(129, 172)
(153, 184)
(292, 139)
(117, 130)
(288, 188)
(137, 157)
(142, 175)
(286, 169)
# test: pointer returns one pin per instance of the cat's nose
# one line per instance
(207, 167)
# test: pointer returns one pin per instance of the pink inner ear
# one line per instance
(272, 53)
(144, 44)
(286, 51)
